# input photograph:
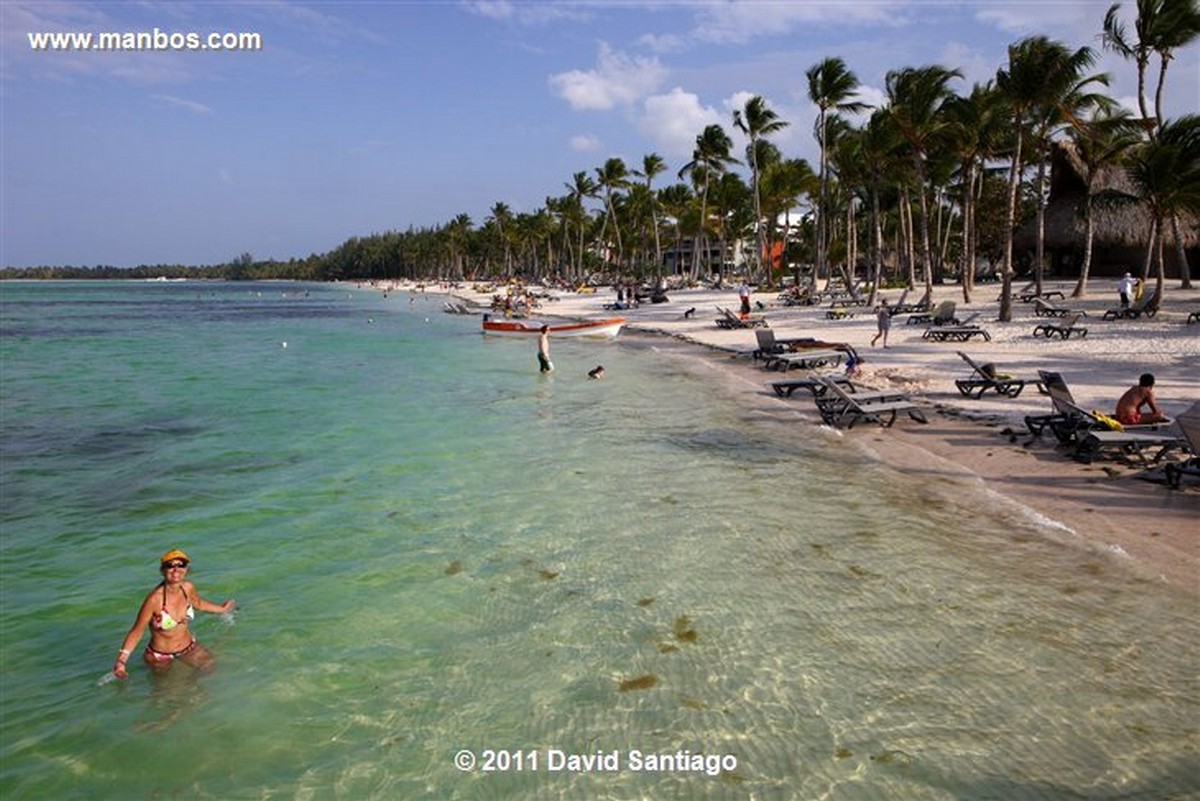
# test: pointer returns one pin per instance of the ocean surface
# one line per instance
(460, 579)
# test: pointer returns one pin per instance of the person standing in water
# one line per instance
(169, 610)
(544, 363)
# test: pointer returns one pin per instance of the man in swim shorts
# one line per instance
(544, 363)
(1129, 407)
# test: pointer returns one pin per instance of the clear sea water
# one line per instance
(435, 550)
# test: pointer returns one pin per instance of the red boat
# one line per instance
(525, 328)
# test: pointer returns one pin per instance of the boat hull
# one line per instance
(605, 329)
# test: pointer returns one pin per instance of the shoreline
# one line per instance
(1107, 506)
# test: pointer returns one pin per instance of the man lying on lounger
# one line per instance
(1129, 407)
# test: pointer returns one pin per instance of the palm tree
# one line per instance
(783, 184)
(917, 98)
(1100, 144)
(457, 234)
(874, 147)
(1042, 78)
(830, 86)
(710, 159)
(502, 217)
(973, 133)
(611, 177)
(1162, 26)
(757, 121)
(582, 186)
(1166, 174)
(652, 165)
(678, 202)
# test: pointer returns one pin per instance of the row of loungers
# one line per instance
(843, 403)
(942, 325)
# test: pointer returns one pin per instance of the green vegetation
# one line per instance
(931, 186)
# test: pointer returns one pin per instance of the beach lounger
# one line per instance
(1189, 428)
(1044, 308)
(960, 332)
(1070, 422)
(1063, 329)
(981, 380)
(771, 345)
(838, 313)
(1064, 421)
(1033, 295)
(728, 319)
(841, 408)
(1147, 305)
(805, 358)
(919, 307)
(813, 384)
(1141, 448)
(1023, 291)
(942, 315)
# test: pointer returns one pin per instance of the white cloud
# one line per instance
(738, 101)
(741, 22)
(974, 66)
(179, 102)
(526, 13)
(617, 80)
(585, 143)
(663, 43)
(872, 96)
(1052, 19)
(672, 121)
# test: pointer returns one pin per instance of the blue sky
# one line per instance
(359, 117)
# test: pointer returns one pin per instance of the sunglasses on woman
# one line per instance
(169, 565)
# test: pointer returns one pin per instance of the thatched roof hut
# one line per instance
(1120, 232)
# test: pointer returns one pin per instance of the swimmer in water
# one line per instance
(168, 610)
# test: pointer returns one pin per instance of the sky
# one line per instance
(361, 117)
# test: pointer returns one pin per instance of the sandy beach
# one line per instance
(1113, 508)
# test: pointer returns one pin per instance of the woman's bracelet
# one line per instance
(124, 651)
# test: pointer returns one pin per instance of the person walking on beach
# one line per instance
(883, 318)
(544, 363)
(1129, 407)
(744, 296)
(168, 610)
(1125, 288)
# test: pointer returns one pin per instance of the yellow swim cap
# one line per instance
(174, 553)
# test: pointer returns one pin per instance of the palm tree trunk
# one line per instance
(876, 274)
(1185, 273)
(1161, 272)
(967, 268)
(1039, 260)
(1151, 249)
(909, 238)
(1006, 275)
(1088, 235)
(926, 250)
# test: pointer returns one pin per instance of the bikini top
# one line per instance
(165, 621)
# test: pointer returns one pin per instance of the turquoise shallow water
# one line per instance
(437, 550)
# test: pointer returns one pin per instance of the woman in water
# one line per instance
(169, 610)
